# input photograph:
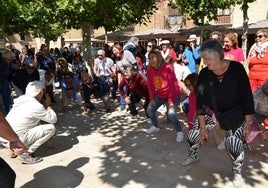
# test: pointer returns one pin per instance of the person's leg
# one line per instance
(78, 97)
(5, 92)
(194, 140)
(37, 136)
(134, 98)
(17, 90)
(7, 175)
(145, 106)
(122, 99)
(152, 110)
(172, 115)
(235, 150)
(106, 101)
(87, 92)
(185, 105)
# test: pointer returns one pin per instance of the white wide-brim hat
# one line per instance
(164, 42)
(192, 37)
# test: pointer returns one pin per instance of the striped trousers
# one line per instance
(233, 143)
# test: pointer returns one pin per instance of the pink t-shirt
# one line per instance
(234, 54)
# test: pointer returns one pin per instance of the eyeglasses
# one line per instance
(259, 36)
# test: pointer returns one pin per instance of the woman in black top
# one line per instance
(224, 88)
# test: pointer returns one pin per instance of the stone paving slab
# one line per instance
(111, 150)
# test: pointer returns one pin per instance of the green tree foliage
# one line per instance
(204, 11)
(50, 19)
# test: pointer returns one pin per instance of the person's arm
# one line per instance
(203, 131)
(7, 133)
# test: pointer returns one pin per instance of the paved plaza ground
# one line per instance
(110, 150)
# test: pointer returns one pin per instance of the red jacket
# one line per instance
(135, 85)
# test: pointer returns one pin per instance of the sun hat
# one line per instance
(192, 37)
(164, 42)
(34, 88)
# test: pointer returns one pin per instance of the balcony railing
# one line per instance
(223, 20)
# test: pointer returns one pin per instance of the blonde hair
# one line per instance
(264, 31)
(233, 37)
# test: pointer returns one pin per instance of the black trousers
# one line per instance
(7, 175)
(135, 98)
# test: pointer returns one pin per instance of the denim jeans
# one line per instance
(7, 175)
(122, 99)
(172, 115)
(5, 92)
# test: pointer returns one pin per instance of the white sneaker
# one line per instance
(179, 136)
(189, 161)
(221, 145)
(238, 180)
(134, 116)
(152, 129)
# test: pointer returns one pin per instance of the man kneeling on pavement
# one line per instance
(25, 116)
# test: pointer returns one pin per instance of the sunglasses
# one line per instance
(259, 36)
(31, 68)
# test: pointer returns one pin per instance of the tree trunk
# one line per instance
(245, 28)
(86, 44)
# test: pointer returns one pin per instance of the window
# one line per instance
(223, 12)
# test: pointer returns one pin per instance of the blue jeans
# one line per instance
(122, 99)
(5, 92)
(172, 115)
(7, 175)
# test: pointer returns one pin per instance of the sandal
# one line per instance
(27, 159)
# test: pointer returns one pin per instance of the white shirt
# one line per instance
(27, 112)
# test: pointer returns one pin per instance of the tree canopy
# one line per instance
(50, 19)
(204, 11)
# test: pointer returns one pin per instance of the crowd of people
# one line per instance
(195, 78)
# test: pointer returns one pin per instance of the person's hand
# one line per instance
(50, 144)
(192, 45)
(17, 147)
(246, 129)
(265, 135)
(127, 100)
(185, 61)
(47, 101)
(151, 103)
(203, 135)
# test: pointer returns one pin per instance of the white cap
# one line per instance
(164, 42)
(192, 37)
(34, 88)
